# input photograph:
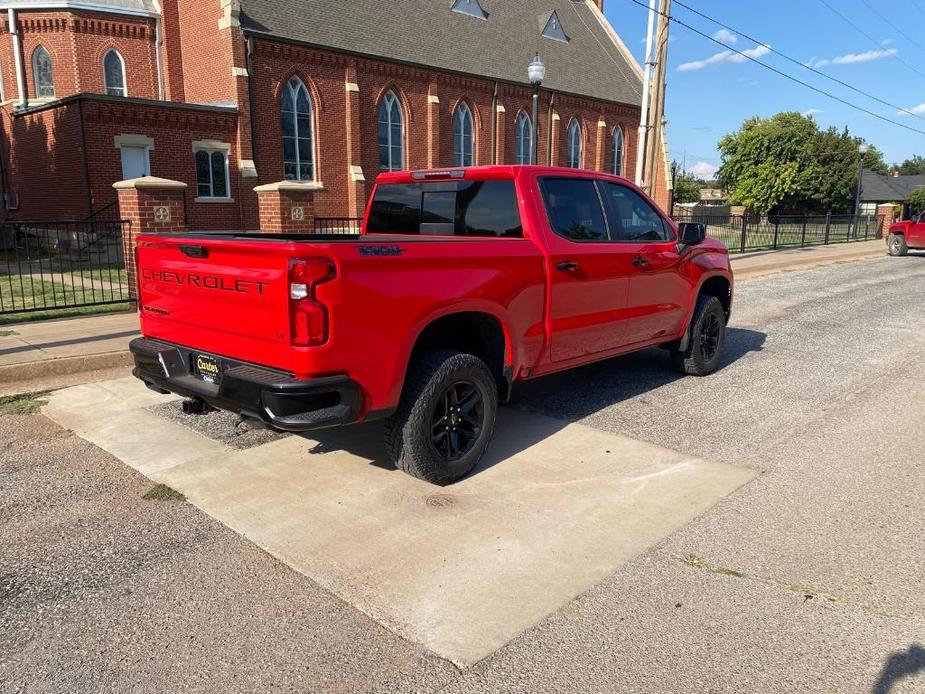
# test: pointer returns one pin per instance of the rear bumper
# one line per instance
(274, 397)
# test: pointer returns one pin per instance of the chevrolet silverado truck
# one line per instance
(909, 234)
(461, 283)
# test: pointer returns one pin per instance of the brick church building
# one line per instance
(228, 95)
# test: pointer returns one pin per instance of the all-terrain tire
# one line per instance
(409, 431)
(698, 359)
(896, 245)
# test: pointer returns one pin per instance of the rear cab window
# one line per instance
(446, 208)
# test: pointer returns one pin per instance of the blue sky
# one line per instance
(710, 92)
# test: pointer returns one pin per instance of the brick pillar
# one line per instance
(885, 219)
(500, 117)
(600, 144)
(148, 204)
(356, 181)
(554, 154)
(287, 207)
(433, 128)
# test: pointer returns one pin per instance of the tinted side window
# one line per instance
(574, 208)
(446, 208)
(396, 209)
(488, 208)
(630, 217)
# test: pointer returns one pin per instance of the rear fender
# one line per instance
(475, 306)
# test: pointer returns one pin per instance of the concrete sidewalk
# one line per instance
(53, 353)
(758, 263)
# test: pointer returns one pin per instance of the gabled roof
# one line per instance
(142, 7)
(879, 188)
(593, 63)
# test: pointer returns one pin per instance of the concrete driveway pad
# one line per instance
(553, 509)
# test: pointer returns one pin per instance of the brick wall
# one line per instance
(205, 52)
(429, 99)
(77, 42)
(45, 167)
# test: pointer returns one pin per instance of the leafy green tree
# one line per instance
(917, 201)
(913, 167)
(786, 164)
(686, 188)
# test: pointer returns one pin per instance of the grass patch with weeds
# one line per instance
(161, 492)
(696, 562)
(6, 333)
(26, 404)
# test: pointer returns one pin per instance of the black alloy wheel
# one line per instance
(457, 421)
(709, 336)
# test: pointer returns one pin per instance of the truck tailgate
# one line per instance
(224, 296)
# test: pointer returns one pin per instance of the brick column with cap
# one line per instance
(149, 204)
(287, 207)
(885, 214)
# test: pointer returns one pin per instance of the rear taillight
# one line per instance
(309, 316)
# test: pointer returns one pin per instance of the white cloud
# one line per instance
(852, 58)
(886, 42)
(813, 112)
(917, 110)
(725, 57)
(725, 36)
(703, 170)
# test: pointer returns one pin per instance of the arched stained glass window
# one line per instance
(298, 132)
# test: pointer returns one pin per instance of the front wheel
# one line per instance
(445, 418)
(896, 245)
(707, 338)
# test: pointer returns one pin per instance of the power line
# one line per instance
(916, 5)
(797, 62)
(789, 77)
(902, 33)
(870, 38)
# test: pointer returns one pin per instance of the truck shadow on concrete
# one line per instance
(581, 392)
(898, 666)
(554, 401)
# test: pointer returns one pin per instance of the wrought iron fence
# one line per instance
(349, 226)
(742, 233)
(61, 265)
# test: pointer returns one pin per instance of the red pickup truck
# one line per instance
(905, 235)
(461, 283)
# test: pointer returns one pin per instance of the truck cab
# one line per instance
(905, 235)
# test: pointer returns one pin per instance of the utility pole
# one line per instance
(646, 84)
(657, 110)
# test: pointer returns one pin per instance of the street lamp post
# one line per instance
(862, 150)
(536, 72)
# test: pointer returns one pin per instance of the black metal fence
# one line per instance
(61, 265)
(742, 233)
(349, 226)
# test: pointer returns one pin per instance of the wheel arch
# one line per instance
(718, 285)
(477, 330)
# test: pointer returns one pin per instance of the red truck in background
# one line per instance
(905, 235)
(461, 283)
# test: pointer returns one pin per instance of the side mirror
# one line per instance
(692, 232)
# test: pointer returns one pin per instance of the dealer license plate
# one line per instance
(207, 368)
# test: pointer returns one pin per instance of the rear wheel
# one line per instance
(896, 245)
(445, 418)
(707, 338)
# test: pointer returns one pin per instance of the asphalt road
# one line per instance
(808, 579)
